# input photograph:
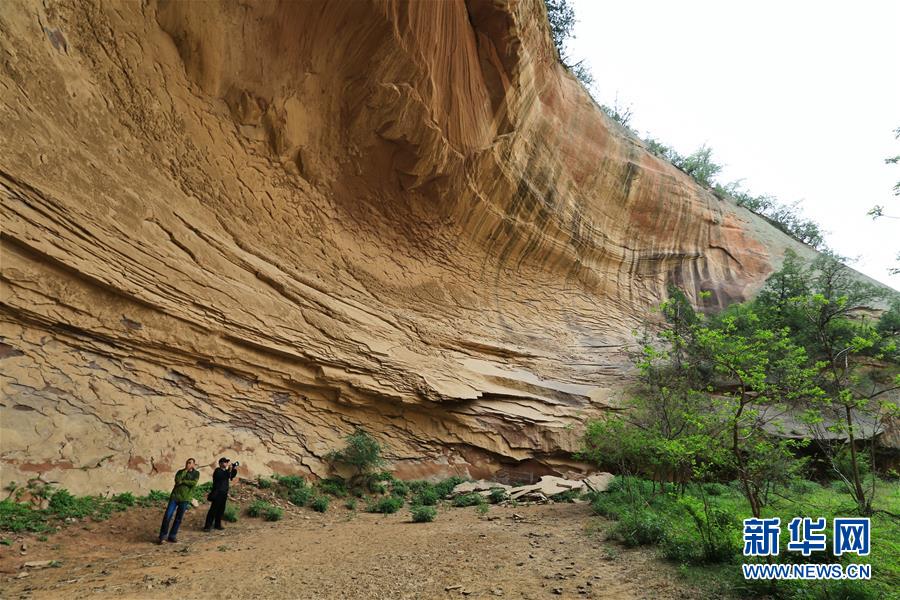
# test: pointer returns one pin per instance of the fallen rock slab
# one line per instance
(548, 487)
(598, 482)
(481, 486)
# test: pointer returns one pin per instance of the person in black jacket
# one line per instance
(219, 494)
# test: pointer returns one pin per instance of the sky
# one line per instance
(799, 99)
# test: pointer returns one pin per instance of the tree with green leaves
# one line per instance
(854, 361)
(826, 308)
(709, 403)
(759, 374)
(561, 17)
(362, 452)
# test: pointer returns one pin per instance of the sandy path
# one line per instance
(547, 554)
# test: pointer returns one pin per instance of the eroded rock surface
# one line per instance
(246, 228)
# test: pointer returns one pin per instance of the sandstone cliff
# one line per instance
(244, 228)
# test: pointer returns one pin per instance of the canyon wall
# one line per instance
(244, 228)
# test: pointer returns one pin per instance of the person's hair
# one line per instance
(223, 460)
(190, 460)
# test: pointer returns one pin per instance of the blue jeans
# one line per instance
(178, 509)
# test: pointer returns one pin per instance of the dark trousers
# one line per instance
(177, 508)
(216, 510)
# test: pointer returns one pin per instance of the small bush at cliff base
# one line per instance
(273, 513)
(423, 514)
(319, 504)
(231, 513)
(125, 499)
(362, 452)
(290, 482)
(334, 486)
(399, 488)
(17, 517)
(258, 507)
(387, 505)
(264, 483)
(426, 497)
(201, 491)
(446, 486)
(468, 500)
(350, 503)
(153, 498)
(498, 495)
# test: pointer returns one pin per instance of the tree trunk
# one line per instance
(860, 493)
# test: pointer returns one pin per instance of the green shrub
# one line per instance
(423, 514)
(382, 476)
(64, 505)
(264, 483)
(258, 507)
(426, 497)
(377, 487)
(639, 528)
(386, 505)
(125, 499)
(291, 482)
(715, 489)
(498, 495)
(334, 486)
(416, 486)
(350, 503)
(446, 486)
(300, 496)
(399, 488)
(153, 498)
(483, 508)
(363, 452)
(319, 504)
(569, 496)
(471, 499)
(231, 513)
(17, 517)
(201, 491)
(273, 513)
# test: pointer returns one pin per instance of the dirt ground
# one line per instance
(539, 551)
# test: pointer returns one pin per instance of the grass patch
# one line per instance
(62, 505)
(701, 530)
(258, 507)
(350, 503)
(154, 498)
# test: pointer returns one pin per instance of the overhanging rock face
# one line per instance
(246, 228)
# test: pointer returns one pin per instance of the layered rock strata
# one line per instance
(246, 228)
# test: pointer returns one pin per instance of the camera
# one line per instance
(235, 464)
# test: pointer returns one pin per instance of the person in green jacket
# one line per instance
(185, 480)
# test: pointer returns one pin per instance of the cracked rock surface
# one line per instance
(246, 228)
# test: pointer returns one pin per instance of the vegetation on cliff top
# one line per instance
(699, 164)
